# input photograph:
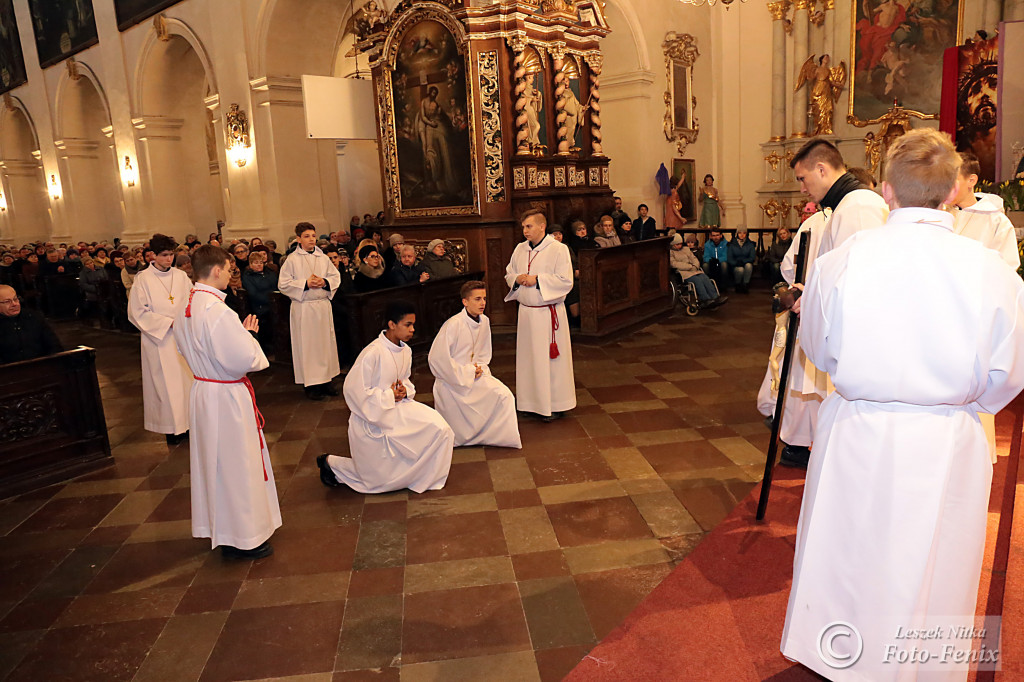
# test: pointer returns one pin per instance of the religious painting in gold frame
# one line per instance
(896, 54)
(426, 113)
(680, 125)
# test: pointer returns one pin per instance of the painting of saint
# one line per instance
(12, 64)
(62, 28)
(685, 170)
(896, 51)
(681, 111)
(432, 120)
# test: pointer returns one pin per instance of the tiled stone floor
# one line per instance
(512, 572)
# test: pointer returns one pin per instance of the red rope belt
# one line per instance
(554, 326)
(259, 417)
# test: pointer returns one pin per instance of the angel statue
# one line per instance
(828, 83)
(365, 19)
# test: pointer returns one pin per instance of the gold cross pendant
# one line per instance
(171, 299)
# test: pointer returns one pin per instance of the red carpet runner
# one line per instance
(719, 614)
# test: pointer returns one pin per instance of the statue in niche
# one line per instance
(365, 19)
(828, 83)
(574, 109)
(534, 96)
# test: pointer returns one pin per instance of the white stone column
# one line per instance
(726, 128)
(992, 14)
(778, 12)
(801, 22)
(159, 148)
(829, 7)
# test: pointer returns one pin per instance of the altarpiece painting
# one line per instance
(896, 50)
(430, 131)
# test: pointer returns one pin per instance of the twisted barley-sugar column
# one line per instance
(595, 108)
(522, 122)
(563, 131)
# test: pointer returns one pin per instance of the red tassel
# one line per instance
(554, 350)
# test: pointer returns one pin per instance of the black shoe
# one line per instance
(327, 476)
(313, 394)
(795, 456)
(768, 423)
(328, 389)
(547, 419)
(174, 439)
(261, 552)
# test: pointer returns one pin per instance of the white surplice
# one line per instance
(314, 347)
(985, 222)
(892, 526)
(859, 210)
(234, 499)
(481, 411)
(394, 445)
(166, 379)
(543, 385)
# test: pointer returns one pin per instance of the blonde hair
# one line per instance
(922, 167)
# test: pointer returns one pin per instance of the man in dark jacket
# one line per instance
(24, 334)
(407, 271)
(259, 283)
(644, 227)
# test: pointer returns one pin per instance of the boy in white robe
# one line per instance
(539, 276)
(892, 528)
(158, 294)
(310, 281)
(234, 498)
(480, 409)
(848, 206)
(395, 442)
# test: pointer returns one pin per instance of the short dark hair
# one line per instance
(863, 176)
(302, 227)
(642, 206)
(818, 150)
(161, 242)
(970, 164)
(529, 213)
(206, 258)
(396, 310)
(471, 286)
(365, 252)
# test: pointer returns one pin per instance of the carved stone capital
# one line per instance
(778, 10)
(799, 5)
(595, 60)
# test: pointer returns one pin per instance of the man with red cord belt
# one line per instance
(539, 276)
(234, 500)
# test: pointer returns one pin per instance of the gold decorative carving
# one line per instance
(818, 17)
(773, 159)
(73, 69)
(558, 56)
(829, 82)
(830, 5)
(891, 125)
(595, 61)
(802, 5)
(773, 208)
(680, 55)
(490, 118)
(518, 46)
(779, 9)
(160, 26)
(365, 21)
(567, 7)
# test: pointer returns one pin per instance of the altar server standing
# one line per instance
(479, 408)
(157, 295)
(892, 527)
(395, 442)
(310, 281)
(539, 276)
(234, 498)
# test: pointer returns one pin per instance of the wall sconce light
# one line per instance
(128, 174)
(239, 149)
(3, 202)
(54, 188)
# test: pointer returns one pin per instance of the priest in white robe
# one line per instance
(310, 281)
(395, 442)
(234, 497)
(539, 276)
(980, 217)
(159, 293)
(847, 207)
(892, 528)
(480, 409)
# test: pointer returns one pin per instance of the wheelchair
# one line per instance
(686, 293)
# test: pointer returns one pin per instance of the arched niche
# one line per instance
(24, 187)
(178, 152)
(85, 146)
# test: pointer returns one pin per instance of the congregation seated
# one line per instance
(392, 254)
(259, 283)
(619, 217)
(741, 253)
(407, 270)
(777, 252)
(370, 271)
(644, 227)
(580, 238)
(340, 260)
(89, 281)
(435, 261)
(24, 333)
(626, 233)
(681, 259)
(572, 299)
(604, 233)
(716, 258)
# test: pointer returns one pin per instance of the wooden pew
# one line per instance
(623, 286)
(435, 301)
(51, 421)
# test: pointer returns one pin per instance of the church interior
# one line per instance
(619, 543)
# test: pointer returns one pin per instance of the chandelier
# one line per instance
(709, 3)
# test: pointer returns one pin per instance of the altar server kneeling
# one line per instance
(395, 442)
(479, 408)
(234, 500)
